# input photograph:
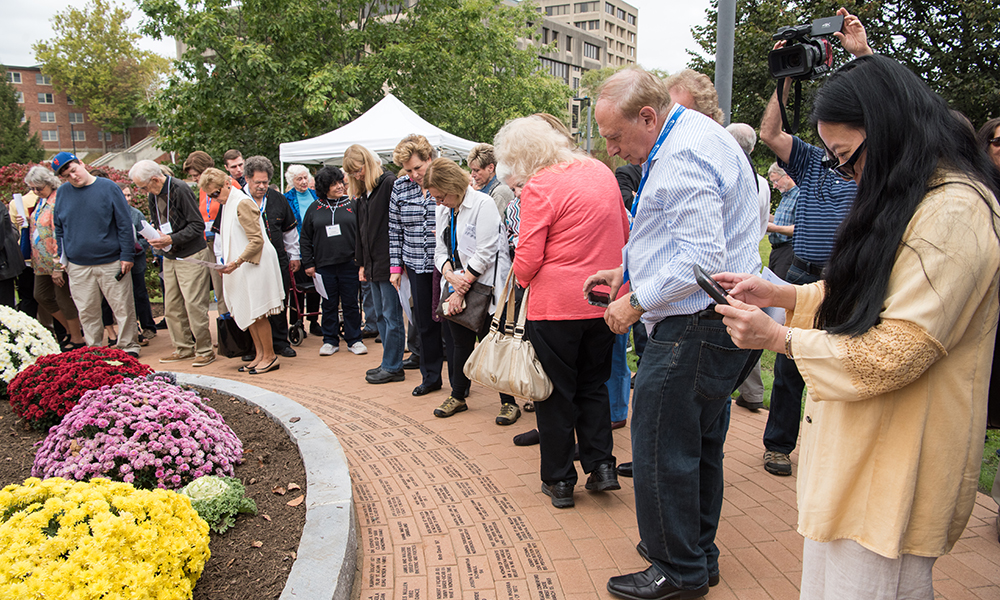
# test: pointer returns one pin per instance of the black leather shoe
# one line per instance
(426, 388)
(315, 329)
(288, 351)
(751, 406)
(561, 493)
(412, 362)
(650, 585)
(625, 469)
(369, 332)
(603, 479)
(249, 357)
(713, 578)
(372, 371)
(383, 376)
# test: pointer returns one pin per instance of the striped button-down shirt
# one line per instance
(784, 215)
(698, 206)
(411, 227)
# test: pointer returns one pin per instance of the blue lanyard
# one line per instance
(453, 238)
(659, 142)
(642, 182)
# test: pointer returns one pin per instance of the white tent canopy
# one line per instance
(379, 130)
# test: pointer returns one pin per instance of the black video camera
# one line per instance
(807, 53)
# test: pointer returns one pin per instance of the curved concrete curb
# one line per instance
(328, 545)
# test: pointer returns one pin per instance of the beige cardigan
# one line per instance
(893, 427)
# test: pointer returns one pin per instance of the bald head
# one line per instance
(629, 90)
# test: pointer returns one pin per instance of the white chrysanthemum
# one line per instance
(22, 341)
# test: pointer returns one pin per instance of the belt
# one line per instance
(780, 245)
(814, 269)
(709, 313)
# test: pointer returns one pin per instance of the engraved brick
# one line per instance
(533, 557)
(374, 540)
(397, 506)
(476, 573)
(467, 541)
(493, 534)
(430, 522)
(517, 525)
(439, 551)
(378, 571)
(505, 564)
(404, 531)
(370, 513)
(444, 583)
(409, 559)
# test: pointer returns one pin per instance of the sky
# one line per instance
(664, 30)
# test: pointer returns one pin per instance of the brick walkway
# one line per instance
(450, 508)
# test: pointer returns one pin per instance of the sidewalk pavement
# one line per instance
(450, 508)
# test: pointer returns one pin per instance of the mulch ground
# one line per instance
(251, 560)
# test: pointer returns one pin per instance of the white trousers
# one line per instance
(845, 570)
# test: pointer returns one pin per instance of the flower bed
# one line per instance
(44, 392)
(148, 433)
(102, 539)
(22, 341)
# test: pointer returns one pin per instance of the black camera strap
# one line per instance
(796, 106)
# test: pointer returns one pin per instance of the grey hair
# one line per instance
(259, 164)
(144, 170)
(527, 145)
(775, 169)
(39, 176)
(745, 136)
(291, 172)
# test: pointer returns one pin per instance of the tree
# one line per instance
(949, 43)
(261, 72)
(17, 144)
(94, 58)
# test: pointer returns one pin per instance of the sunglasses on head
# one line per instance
(846, 169)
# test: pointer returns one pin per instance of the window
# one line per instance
(47, 117)
(545, 35)
(576, 83)
(79, 136)
(586, 7)
(580, 24)
(631, 19)
(595, 24)
(621, 14)
(103, 136)
(569, 44)
(45, 99)
(20, 97)
(576, 116)
(609, 8)
(50, 136)
(555, 40)
(42, 79)
(591, 51)
(560, 9)
(70, 101)
(76, 117)
(631, 37)
(13, 77)
(556, 69)
(609, 27)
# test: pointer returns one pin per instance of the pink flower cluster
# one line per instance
(148, 433)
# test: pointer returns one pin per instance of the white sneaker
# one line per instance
(358, 348)
(328, 349)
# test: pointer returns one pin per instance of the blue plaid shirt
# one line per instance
(411, 227)
(784, 215)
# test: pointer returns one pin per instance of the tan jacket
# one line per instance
(892, 433)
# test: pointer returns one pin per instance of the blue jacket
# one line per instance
(293, 201)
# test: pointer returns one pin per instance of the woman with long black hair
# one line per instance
(895, 345)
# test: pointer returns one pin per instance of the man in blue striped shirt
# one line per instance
(697, 205)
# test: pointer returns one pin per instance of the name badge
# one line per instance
(332, 230)
(166, 229)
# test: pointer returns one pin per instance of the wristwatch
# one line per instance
(633, 301)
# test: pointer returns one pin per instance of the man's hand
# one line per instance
(613, 278)
(294, 265)
(126, 267)
(620, 316)
(853, 36)
(311, 271)
(361, 274)
(161, 242)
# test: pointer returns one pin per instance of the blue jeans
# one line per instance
(620, 382)
(680, 416)
(368, 306)
(341, 284)
(390, 324)
(782, 429)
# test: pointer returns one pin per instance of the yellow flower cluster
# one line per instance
(101, 539)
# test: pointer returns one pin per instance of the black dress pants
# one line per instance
(576, 355)
(428, 330)
(459, 342)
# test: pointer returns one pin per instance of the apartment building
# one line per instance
(615, 21)
(59, 122)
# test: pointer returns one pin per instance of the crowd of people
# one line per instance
(887, 235)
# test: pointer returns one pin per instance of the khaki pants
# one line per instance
(185, 304)
(217, 286)
(90, 282)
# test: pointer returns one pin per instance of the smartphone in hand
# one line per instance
(598, 299)
(710, 285)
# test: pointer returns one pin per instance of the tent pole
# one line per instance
(282, 190)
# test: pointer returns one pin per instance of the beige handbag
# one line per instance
(504, 361)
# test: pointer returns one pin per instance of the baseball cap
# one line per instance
(61, 160)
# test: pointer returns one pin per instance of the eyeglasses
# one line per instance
(214, 194)
(995, 142)
(37, 190)
(846, 169)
